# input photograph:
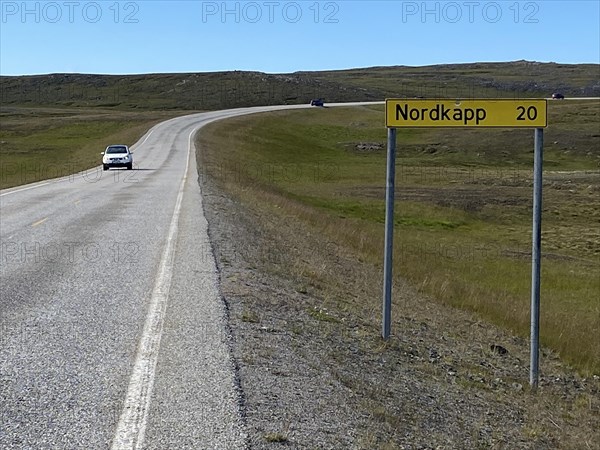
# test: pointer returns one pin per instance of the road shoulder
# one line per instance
(196, 401)
(315, 373)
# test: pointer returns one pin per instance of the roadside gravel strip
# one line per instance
(112, 329)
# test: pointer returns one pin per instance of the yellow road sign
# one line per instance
(481, 113)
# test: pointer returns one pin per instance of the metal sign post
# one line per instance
(473, 113)
(389, 232)
(536, 249)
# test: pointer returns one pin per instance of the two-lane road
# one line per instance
(98, 271)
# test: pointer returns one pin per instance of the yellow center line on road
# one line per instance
(39, 222)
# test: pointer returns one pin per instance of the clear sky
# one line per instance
(149, 36)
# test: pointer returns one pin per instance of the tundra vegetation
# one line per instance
(463, 207)
(295, 204)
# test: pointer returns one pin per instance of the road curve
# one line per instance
(98, 271)
(112, 331)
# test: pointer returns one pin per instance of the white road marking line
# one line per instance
(39, 222)
(132, 423)
(24, 189)
(142, 143)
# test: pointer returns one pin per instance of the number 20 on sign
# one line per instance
(482, 113)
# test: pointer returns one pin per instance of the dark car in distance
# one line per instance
(558, 96)
(317, 102)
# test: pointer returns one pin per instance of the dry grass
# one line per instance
(462, 238)
(436, 383)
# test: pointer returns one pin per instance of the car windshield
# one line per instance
(116, 150)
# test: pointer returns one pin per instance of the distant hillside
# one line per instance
(200, 91)
(508, 79)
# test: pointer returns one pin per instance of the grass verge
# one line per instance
(463, 223)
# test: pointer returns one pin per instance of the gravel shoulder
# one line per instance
(314, 373)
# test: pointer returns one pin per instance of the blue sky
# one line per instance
(126, 37)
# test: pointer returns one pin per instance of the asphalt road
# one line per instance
(112, 331)
(99, 271)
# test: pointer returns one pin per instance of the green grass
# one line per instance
(463, 207)
(42, 143)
